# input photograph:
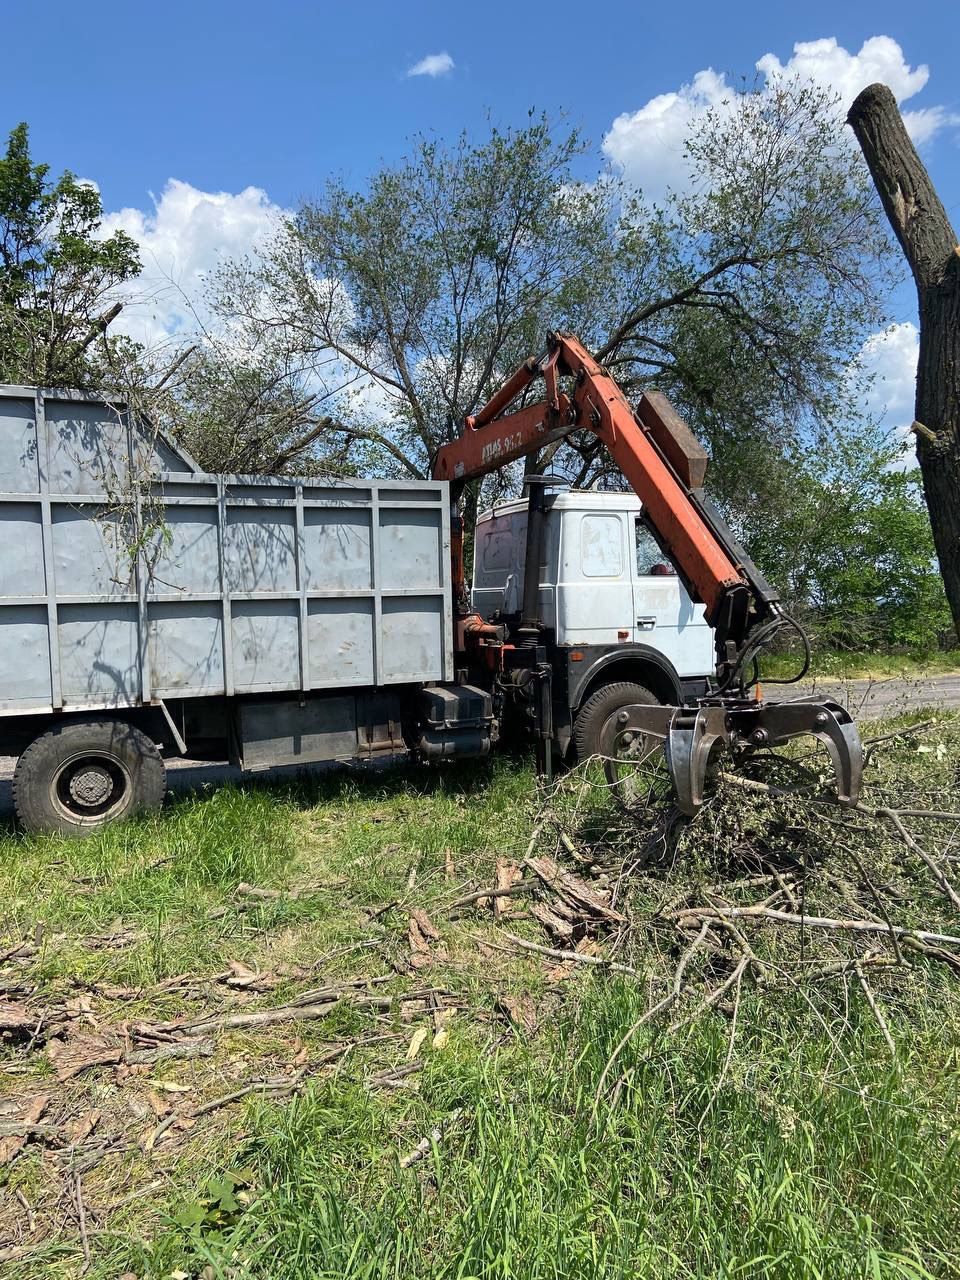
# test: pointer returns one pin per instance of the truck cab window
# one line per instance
(651, 562)
(601, 547)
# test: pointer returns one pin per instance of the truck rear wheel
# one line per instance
(86, 773)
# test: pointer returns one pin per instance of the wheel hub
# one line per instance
(90, 786)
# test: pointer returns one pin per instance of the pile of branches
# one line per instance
(772, 886)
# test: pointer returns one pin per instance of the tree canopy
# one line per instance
(744, 297)
(356, 340)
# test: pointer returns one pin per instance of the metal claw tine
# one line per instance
(687, 750)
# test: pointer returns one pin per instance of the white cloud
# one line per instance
(827, 63)
(891, 357)
(434, 64)
(923, 123)
(181, 241)
(647, 145)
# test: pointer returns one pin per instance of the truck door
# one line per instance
(664, 616)
(595, 581)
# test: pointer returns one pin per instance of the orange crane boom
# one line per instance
(665, 466)
(657, 454)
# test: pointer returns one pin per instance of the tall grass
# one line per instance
(791, 1167)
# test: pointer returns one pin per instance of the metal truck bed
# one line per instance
(129, 576)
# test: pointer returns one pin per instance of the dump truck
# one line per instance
(148, 608)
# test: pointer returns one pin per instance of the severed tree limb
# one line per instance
(513, 891)
(715, 1092)
(709, 1001)
(814, 922)
(426, 1145)
(940, 876)
(600, 962)
(875, 1009)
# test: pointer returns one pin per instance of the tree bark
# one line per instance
(929, 243)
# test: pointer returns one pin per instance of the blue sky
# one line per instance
(217, 98)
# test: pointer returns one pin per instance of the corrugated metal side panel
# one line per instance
(196, 584)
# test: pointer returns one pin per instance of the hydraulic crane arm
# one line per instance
(657, 454)
(665, 466)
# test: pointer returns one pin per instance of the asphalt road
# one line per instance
(866, 700)
(883, 696)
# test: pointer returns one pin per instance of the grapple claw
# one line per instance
(690, 739)
(689, 735)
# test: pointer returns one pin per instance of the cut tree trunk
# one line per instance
(929, 243)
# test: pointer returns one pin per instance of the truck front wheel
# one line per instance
(86, 773)
(635, 771)
(598, 711)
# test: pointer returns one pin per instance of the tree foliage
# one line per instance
(58, 275)
(743, 297)
(843, 532)
(390, 312)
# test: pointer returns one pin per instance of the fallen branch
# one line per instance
(667, 1002)
(573, 891)
(513, 891)
(940, 877)
(163, 1052)
(814, 922)
(600, 962)
(426, 1145)
(875, 1009)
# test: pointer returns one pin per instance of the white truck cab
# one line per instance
(613, 605)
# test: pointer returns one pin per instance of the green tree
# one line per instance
(744, 298)
(845, 536)
(58, 275)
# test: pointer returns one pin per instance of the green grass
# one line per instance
(804, 1151)
(787, 1175)
(852, 665)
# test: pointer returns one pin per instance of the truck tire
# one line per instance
(597, 710)
(85, 773)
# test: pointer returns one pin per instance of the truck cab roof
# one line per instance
(571, 500)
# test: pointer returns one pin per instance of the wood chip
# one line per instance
(427, 927)
(80, 1129)
(113, 939)
(17, 1017)
(159, 1106)
(30, 1113)
(19, 951)
(80, 1052)
(243, 978)
(521, 1011)
(416, 1044)
(562, 930)
(506, 876)
(165, 1052)
(573, 891)
(421, 933)
(441, 1034)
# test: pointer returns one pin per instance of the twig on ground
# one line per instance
(875, 1009)
(600, 962)
(729, 1054)
(938, 874)
(513, 891)
(82, 1220)
(667, 1002)
(426, 1145)
(815, 922)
